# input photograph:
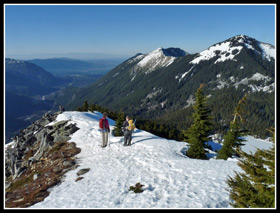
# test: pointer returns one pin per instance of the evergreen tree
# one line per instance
(92, 107)
(155, 128)
(256, 187)
(172, 133)
(233, 139)
(161, 130)
(149, 126)
(119, 122)
(79, 109)
(85, 107)
(198, 133)
(98, 108)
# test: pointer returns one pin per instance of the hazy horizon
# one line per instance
(78, 56)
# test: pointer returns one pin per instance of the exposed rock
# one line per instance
(37, 150)
(37, 132)
(19, 200)
(83, 171)
(79, 178)
(69, 163)
(35, 176)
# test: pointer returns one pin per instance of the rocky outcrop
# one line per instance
(82, 171)
(37, 159)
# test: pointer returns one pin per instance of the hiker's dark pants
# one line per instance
(127, 137)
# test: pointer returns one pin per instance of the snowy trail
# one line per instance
(171, 179)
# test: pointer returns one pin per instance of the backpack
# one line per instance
(101, 123)
(131, 125)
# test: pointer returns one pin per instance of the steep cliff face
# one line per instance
(37, 160)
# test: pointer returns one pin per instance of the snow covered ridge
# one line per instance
(13, 61)
(268, 51)
(171, 179)
(228, 49)
(159, 58)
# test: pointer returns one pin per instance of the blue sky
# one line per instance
(45, 31)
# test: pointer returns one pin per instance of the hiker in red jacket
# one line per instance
(104, 129)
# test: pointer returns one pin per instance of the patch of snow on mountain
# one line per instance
(223, 50)
(257, 77)
(249, 46)
(232, 78)
(155, 92)
(133, 78)
(222, 84)
(184, 74)
(190, 101)
(116, 74)
(268, 51)
(139, 57)
(228, 54)
(255, 88)
(152, 55)
(269, 88)
(156, 59)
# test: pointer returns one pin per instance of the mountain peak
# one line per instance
(13, 61)
(160, 57)
(267, 51)
(171, 51)
(175, 52)
(242, 37)
(241, 40)
(228, 49)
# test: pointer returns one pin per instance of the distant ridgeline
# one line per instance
(160, 86)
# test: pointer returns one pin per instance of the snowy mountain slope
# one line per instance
(171, 179)
(228, 49)
(222, 50)
(158, 58)
(268, 51)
